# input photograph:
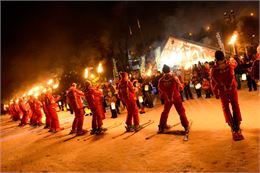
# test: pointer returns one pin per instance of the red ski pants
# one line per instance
(78, 120)
(97, 117)
(132, 113)
(179, 108)
(55, 125)
(230, 96)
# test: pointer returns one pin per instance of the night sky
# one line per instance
(41, 38)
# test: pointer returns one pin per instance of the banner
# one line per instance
(220, 43)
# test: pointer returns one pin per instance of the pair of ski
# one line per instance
(142, 126)
(186, 135)
(103, 131)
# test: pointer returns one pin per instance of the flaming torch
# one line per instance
(55, 86)
(100, 68)
(233, 41)
(86, 73)
(50, 82)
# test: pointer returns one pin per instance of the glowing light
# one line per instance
(149, 72)
(55, 86)
(17, 100)
(30, 92)
(50, 82)
(36, 95)
(113, 106)
(110, 81)
(100, 68)
(198, 86)
(208, 28)
(233, 39)
(244, 76)
(187, 66)
(44, 90)
(92, 76)
(251, 14)
(86, 73)
(140, 99)
(24, 95)
(190, 34)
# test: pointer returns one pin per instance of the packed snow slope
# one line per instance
(210, 147)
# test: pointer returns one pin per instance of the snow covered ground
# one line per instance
(210, 147)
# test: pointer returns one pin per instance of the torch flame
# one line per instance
(86, 73)
(233, 39)
(187, 66)
(36, 95)
(100, 68)
(44, 90)
(55, 86)
(50, 82)
(149, 72)
(92, 76)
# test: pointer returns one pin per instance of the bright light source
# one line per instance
(55, 86)
(187, 66)
(50, 82)
(233, 39)
(86, 73)
(208, 28)
(92, 76)
(149, 72)
(190, 34)
(36, 95)
(100, 68)
(253, 35)
(44, 90)
(110, 81)
(251, 14)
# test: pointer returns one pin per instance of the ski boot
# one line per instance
(93, 131)
(129, 128)
(82, 132)
(100, 130)
(137, 128)
(72, 131)
(187, 129)
(161, 129)
(237, 135)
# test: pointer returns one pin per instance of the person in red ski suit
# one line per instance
(169, 87)
(224, 85)
(74, 96)
(126, 93)
(37, 108)
(95, 104)
(45, 110)
(14, 115)
(33, 117)
(25, 108)
(51, 106)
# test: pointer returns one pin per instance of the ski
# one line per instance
(103, 131)
(149, 137)
(125, 132)
(186, 136)
(142, 127)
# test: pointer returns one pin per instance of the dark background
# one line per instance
(43, 39)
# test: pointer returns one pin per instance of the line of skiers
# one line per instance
(223, 85)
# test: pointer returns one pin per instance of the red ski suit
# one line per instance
(169, 90)
(224, 84)
(34, 116)
(126, 92)
(45, 110)
(14, 115)
(74, 96)
(95, 104)
(51, 106)
(27, 113)
(38, 112)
